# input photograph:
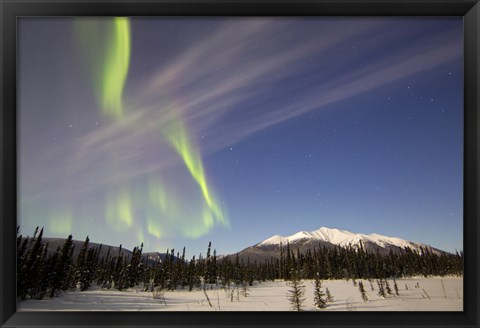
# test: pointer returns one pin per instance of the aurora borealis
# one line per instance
(109, 58)
(179, 131)
(115, 61)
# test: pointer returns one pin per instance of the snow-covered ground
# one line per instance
(428, 295)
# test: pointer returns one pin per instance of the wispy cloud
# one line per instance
(213, 82)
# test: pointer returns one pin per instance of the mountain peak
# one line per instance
(342, 238)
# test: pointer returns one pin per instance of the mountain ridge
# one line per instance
(331, 238)
(342, 238)
(53, 244)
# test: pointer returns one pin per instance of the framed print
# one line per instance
(239, 163)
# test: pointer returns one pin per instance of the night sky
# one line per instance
(180, 131)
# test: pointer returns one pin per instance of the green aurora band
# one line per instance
(106, 43)
(115, 71)
(178, 137)
(60, 222)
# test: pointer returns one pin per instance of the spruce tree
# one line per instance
(82, 271)
(190, 274)
(183, 269)
(208, 277)
(132, 272)
(116, 270)
(296, 293)
(213, 277)
(62, 266)
(22, 274)
(50, 274)
(40, 274)
(30, 273)
(318, 295)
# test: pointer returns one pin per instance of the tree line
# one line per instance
(42, 274)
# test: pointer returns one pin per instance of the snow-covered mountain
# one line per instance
(343, 238)
(330, 238)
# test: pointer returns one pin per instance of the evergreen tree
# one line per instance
(296, 293)
(288, 263)
(208, 267)
(81, 277)
(318, 295)
(62, 267)
(132, 273)
(22, 255)
(182, 272)
(210, 275)
(30, 273)
(39, 276)
(117, 269)
(192, 277)
(49, 275)
(213, 278)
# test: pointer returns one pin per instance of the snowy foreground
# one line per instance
(428, 295)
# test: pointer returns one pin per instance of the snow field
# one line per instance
(423, 294)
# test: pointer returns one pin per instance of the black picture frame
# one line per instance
(11, 10)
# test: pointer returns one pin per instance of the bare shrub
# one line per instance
(362, 291)
(329, 296)
(350, 306)
(159, 294)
